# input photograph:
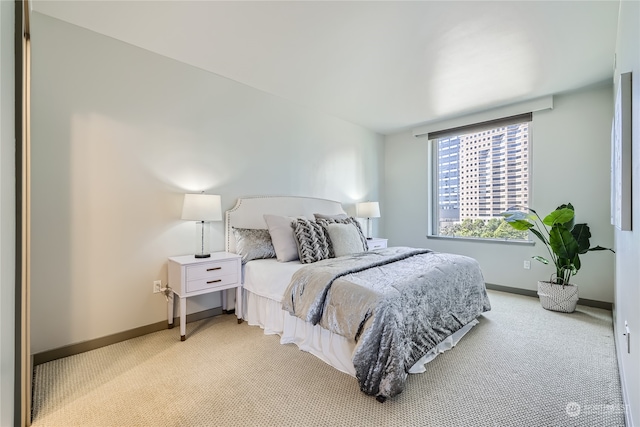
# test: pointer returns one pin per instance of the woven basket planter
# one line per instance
(557, 297)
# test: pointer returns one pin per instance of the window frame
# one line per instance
(433, 192)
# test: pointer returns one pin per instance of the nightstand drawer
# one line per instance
(376, 243)
(210, 270)
(211, 282)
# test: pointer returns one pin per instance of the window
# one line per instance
(479, 172)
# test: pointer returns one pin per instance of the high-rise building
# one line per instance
(448, 179)
(484, 173)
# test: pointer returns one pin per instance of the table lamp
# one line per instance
(202, 208)
(368, 210)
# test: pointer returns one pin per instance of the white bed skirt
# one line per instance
(331, 348)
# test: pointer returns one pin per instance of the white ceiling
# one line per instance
(384, 65)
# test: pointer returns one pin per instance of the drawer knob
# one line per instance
(215, 281)
(214, 268)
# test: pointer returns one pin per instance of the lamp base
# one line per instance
(202, 255)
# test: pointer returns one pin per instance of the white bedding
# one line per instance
(264, 284)
(268, 277)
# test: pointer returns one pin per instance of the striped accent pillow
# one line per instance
(311, 241)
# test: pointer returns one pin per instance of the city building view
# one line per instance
(481, 175)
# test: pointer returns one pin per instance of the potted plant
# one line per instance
(565, 241)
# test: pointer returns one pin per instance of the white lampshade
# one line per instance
(368, 210)
(202, 207)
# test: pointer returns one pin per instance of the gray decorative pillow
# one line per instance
(324, 223)
(252, 243)
(345, 239)
(336, 216)
(311, 240)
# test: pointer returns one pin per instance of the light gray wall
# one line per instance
(627, 243)
(570, 163)
(119, 135)
(7, 214)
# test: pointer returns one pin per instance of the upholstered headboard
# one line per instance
(248, 212)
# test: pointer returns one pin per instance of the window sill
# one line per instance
(480, 240)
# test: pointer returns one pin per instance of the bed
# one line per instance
(333, 306)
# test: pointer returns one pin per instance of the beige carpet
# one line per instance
(521, 366)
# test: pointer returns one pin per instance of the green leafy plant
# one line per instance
(565, 241)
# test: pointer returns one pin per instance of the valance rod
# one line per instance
(478, 127)
(524, 107)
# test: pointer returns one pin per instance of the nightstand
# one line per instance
(190, 276)
(376, 243)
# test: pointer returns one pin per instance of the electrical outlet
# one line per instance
(157, 286)
(527, 264)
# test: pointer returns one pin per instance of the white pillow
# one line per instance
(282, 237)
(345, 239)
